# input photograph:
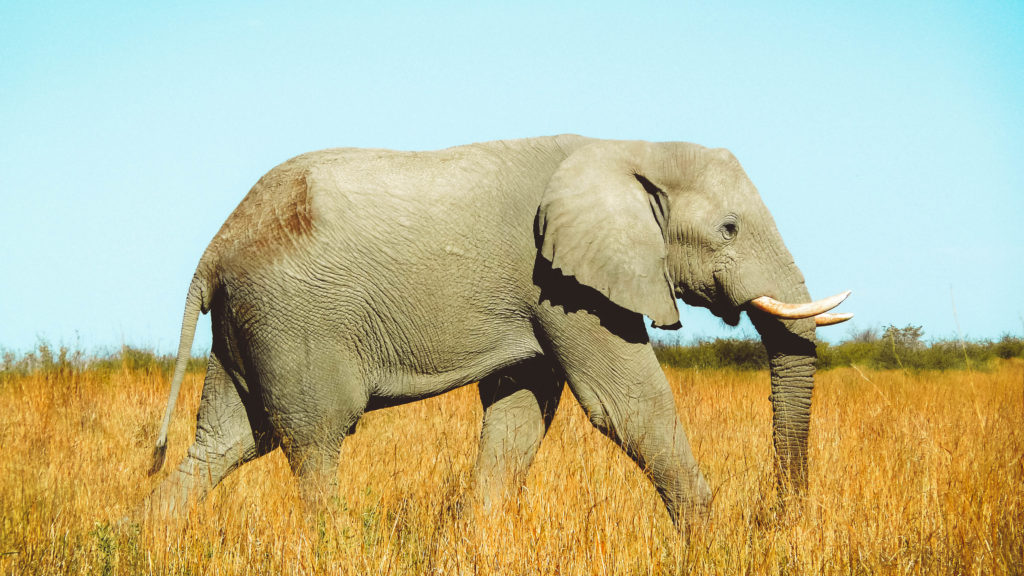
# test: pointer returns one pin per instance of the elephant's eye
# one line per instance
(729, 229)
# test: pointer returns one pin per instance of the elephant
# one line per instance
(349, 280)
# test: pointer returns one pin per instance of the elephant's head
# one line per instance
(646, 223)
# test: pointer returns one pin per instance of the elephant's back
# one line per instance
(389, 201)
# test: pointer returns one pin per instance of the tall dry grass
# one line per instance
(911, 474)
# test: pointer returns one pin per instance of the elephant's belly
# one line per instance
(409, 385)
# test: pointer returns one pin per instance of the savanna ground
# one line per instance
(911, 473)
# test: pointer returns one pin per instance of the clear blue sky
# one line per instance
(887, 138)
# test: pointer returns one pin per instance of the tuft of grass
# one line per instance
(912, 472)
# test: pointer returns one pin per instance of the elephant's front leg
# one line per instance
(612, 371)
(519, 404)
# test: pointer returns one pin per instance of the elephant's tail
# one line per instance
(197, 301)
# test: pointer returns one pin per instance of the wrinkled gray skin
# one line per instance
(350, 280)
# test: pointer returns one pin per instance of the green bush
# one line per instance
(1009, 347)
(744, 354)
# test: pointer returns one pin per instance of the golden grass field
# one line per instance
(910, 474)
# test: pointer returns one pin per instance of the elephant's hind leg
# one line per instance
(315, 404)
(227, 436)
(519, 404)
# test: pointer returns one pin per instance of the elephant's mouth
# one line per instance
(729, 313)
(730, 317)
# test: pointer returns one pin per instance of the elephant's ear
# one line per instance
(602, 221)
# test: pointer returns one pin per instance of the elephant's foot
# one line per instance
(323, 523)
(170, 501)
(315, 466)
(199, 473)
(688, 499)
(319, 493)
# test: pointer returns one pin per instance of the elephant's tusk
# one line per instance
(830, 319)
(797, 311)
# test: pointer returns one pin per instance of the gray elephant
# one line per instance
(349, 280)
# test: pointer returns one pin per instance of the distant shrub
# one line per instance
(44, 360)
(1009, 347)
(743, 354)
(847, 353)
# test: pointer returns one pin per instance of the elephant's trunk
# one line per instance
(792, 373)
(791, 360)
